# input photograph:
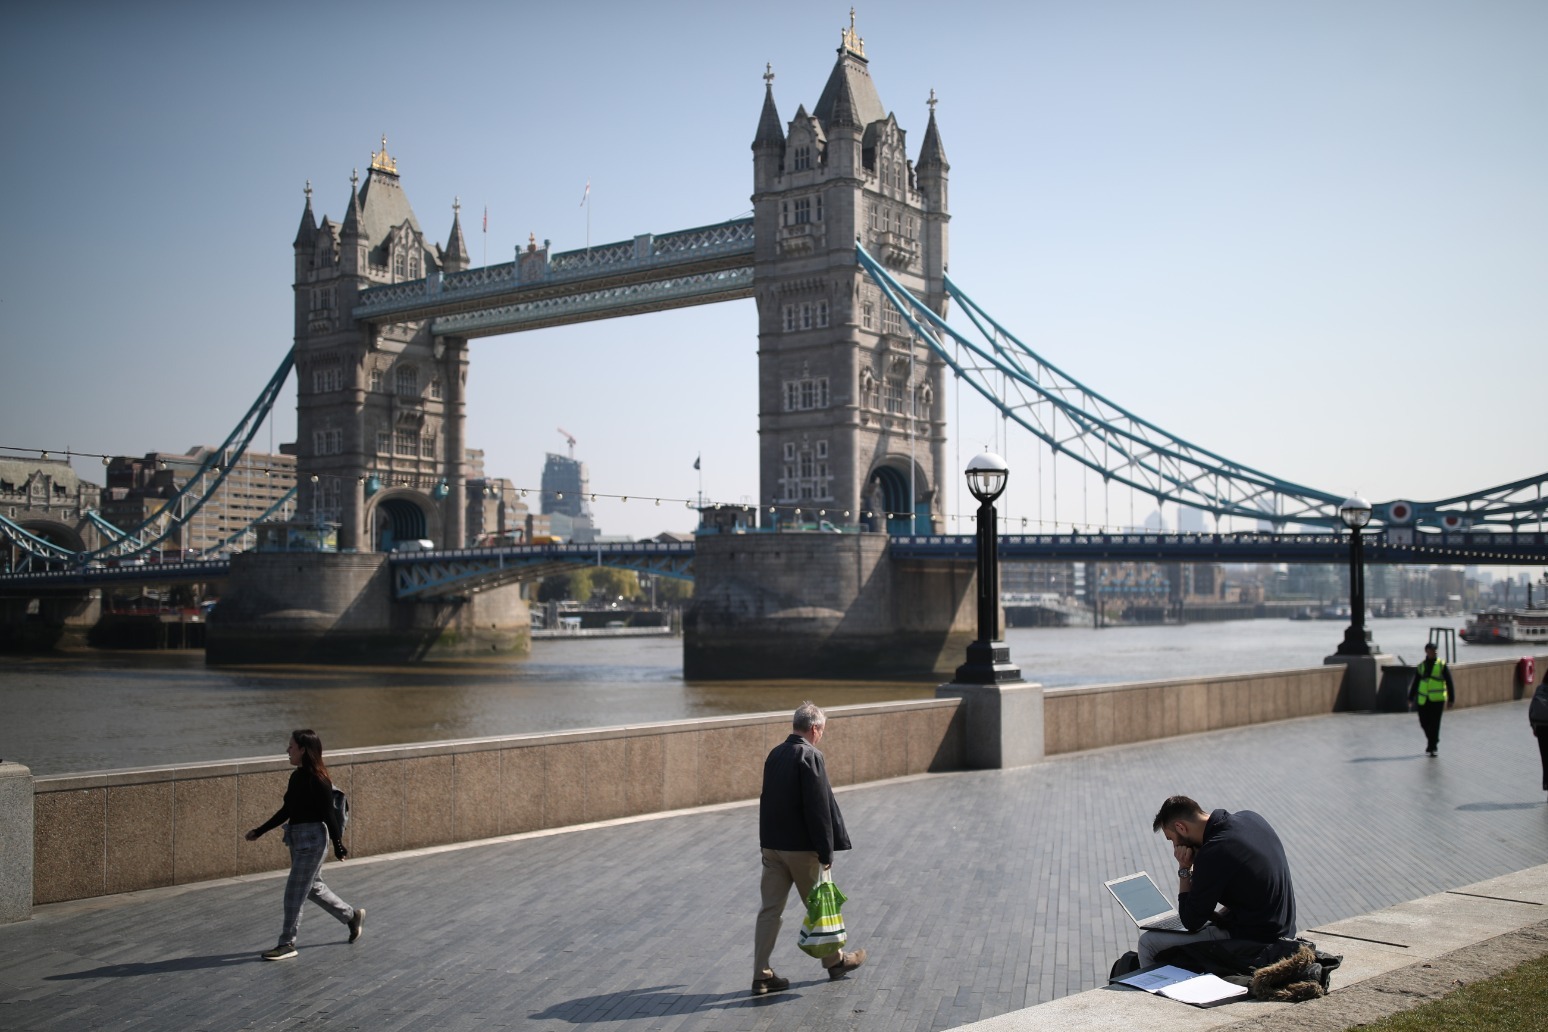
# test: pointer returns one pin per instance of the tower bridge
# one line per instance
(845, 258)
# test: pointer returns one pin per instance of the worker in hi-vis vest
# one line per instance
(1431, 692)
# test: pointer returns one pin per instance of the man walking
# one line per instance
(799, 828)
(1431, 693)
(1231, 861)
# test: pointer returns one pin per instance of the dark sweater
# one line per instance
(308, 800)
(797, 811)
(1242, 867)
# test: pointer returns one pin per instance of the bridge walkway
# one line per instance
(976, 894)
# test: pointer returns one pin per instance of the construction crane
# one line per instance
(570, 438)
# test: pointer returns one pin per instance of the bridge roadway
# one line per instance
(451, 572)
(976, 893)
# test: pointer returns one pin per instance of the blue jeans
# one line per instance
(308, 845)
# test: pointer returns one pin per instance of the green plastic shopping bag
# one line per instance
(822, 933)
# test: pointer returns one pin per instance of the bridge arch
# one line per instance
(62, 534)
(402, 514)
(887, 498)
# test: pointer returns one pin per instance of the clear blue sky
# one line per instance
(1310, 236)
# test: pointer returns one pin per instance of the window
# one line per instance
(803, 210)
(822, 313)
(892, 321)
(383, 442)
(398, 267)
(803, 158)
(327, 442)
(407, 381)
(893, 397)
(376, 379)
(819, 207)
(405, 442)
(807, 476)
(868, 315)
(414, 267)
(328, 378)
(790, 318)
(435, 387)
(806, 393)
(871, 216)
(870, 395)
(427, 446)
(325, 256)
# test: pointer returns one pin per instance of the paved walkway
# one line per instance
(976, 894)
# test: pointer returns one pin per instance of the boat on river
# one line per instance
(1507, 627)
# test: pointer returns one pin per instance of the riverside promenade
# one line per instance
(976, 894)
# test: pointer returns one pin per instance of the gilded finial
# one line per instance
(531, 241)
(850, 38)
(381, 162)
(768, 74)
(932, 101)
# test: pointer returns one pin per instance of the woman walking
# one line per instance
(308, 808)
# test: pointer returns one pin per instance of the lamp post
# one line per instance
(988, 658)
(1356, 513)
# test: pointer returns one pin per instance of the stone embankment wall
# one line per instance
(118, 831)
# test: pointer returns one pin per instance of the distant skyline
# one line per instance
(1310, 237)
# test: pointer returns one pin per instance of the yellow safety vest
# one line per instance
(1433, 687)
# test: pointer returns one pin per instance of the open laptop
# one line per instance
(1146, 905)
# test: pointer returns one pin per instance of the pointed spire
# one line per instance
(307, 234)
(352, 217)
(843, 113)
(455, 257)
(931, 153)
(771, 132)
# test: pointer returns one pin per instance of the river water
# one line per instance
(82, 711)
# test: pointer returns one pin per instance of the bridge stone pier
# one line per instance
(812, 605)
(339, 607)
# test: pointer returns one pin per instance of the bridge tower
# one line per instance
(851, 408)
(379, 408)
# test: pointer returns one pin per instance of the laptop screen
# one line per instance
(1140, 897)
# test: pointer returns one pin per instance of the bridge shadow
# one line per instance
(158, 967)
(1494, 807)
(656, 1000)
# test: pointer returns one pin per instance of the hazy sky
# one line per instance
(1311, 236)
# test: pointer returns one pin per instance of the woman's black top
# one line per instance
(308, 800)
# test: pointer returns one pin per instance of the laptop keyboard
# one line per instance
(1165, 924)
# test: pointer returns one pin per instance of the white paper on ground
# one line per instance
(1156, 979)
(1202, 989)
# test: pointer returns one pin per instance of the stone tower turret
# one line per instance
(379, 411)
(851, 409)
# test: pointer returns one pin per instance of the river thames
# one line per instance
(82, 711)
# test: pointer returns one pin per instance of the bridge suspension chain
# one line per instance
(1121, 446)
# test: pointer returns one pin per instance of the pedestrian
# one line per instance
(1431, 693)
(1233, 879)
(308, 809)
(799, 828)
(1537, 713)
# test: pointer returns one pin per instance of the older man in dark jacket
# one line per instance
(799, 829)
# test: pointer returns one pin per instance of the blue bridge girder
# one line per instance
(1397, 547)
(191, 571)
(450, 573)
(650, 273)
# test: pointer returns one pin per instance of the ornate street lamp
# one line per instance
(1356, 513)
(988, 658)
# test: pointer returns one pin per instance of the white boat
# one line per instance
(1507, 627)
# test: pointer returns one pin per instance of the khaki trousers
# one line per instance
(781, 869)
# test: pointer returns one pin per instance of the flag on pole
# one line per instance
(587, 194)
(486, 218)
(696, 459)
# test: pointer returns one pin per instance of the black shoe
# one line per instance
(847, 963)
(284, 951)
(772, 984)
(357, 924)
